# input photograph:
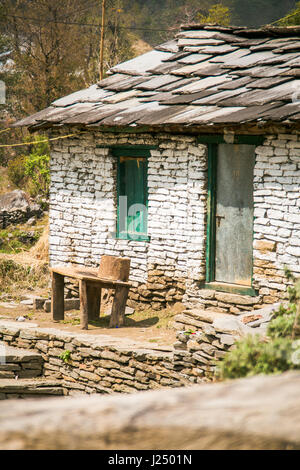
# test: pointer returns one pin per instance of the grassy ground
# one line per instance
(21, 276)
(21, 237)
(23, 261)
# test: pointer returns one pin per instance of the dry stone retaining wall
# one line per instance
(105, 364)
(21, 375)
(97, 364)
(171, 266)
(22, 364)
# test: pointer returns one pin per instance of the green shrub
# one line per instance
(253, 355)
(65, 356)
(282, 325)
(31, 172)
(37, 170)
(278, 352)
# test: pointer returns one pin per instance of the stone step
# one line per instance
(206, 316)
(29, 388)
(21, 363)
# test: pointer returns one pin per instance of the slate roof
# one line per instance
(208, 75)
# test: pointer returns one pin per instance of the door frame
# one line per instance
(212, 141)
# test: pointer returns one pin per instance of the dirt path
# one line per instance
(142, 326)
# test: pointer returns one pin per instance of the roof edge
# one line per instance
(264, 31)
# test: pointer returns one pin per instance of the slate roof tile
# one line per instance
(208, 75)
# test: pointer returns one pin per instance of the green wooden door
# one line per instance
(234, 214)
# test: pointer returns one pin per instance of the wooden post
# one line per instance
(119, 305)
(94, 301)
(102, 40)
(57, 297)
(84, 320)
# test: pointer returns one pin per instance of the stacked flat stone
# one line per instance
(106, 364)
(204, 337)
(21, 375)
(19, 363)
(96, 364)
(29, 388)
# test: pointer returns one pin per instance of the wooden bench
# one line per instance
(113, 273)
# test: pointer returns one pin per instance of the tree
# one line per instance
(118, 40)
(218, 13)
(7, 79)
(44, 52)
(259, 12)
(4, 54)
(56, 48)
(159, 21)
(292, 18)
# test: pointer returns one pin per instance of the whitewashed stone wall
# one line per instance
(171, 267)
(277, 213)
(83, 211)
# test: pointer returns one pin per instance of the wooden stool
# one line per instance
(113, 273)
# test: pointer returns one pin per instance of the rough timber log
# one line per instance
(257, 413)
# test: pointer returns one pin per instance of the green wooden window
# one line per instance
(132, 194)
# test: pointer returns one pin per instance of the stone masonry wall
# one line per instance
(97, 364)
(81, 363)
(171, 266)
(277, 214)
(83, 212)
(203, 337)
(27, 365)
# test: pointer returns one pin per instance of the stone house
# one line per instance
(186, 159)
